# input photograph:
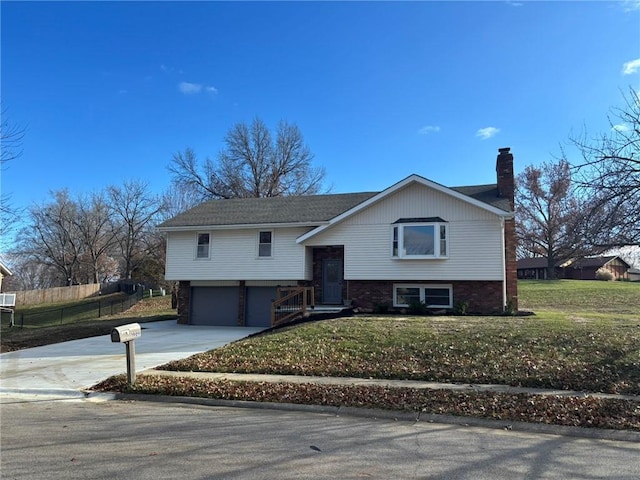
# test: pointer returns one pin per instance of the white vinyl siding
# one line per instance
(474, 246)
(234, 258)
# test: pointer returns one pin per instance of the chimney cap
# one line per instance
(504, 150)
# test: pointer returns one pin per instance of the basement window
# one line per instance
(433, 296)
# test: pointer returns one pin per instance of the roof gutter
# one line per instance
(240, 226)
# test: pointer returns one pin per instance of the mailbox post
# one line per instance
(127, 334)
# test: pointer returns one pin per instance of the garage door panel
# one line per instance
(258, 304)
(214, 306)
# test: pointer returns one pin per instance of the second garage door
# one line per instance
(258, 302)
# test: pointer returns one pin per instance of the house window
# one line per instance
(420, 239)
(433, 296)
(202, 249)
(265, 240)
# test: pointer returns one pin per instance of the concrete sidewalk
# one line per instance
(462, 387)
(65, 369)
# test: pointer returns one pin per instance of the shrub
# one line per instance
(417, 308)
(604, 274)
(461, 308)
(381, 308)
(510, 308)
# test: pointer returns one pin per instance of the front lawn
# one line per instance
(585, 336)
(518, 351)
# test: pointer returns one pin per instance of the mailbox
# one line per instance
(126, 333)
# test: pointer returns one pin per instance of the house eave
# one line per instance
(240, 226)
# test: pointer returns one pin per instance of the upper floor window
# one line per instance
(203, 242)
(420, 238)
(265, 240)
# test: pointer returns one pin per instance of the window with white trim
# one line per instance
(265, 243)
(417, 239)
(203, 241)
(433, 296)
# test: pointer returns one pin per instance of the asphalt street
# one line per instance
(76, 439)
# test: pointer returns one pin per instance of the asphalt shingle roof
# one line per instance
(308, 209)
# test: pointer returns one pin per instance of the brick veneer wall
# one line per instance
(506, 189)
(242, 299)
(184, 301)
(510, 243)
(481, 296)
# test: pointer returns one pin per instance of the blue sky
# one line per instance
(109, 91)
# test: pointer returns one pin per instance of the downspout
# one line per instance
(504, 266)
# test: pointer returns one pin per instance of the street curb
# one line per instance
(415, 417)
(55, 393)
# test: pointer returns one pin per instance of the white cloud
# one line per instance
(621, 127)
(428, 129)
(631, 5)
(631, 67)
(487, 132)
(189, 88)
(194, 88)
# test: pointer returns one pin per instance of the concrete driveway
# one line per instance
(65, 369)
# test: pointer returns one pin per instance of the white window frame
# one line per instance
(270, 244)
(422, 287)
(197, 252)
(397, 240)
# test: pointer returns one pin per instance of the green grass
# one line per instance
(146, 310)
(51, 314)
(587, 337)
(617, 299)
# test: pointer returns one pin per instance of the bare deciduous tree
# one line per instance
(609, 171)
(135, 210)
(51, 237)
(98, 235)
(252, 164)
(10, 148)
(548, 214)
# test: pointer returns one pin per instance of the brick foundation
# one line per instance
(483, 297)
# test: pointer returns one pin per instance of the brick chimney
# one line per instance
(504, 172)
(506, 189)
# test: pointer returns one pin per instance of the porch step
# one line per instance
(319, 309)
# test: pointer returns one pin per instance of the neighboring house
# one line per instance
(4, 272)
(586, 268)
(415, 241)
(634, 275)
(579, 269)
(535, 268)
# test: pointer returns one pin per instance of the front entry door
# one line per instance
(332, 281)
